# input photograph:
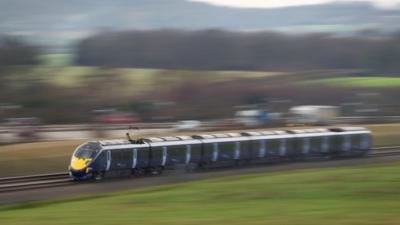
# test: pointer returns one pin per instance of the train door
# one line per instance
(134, 158)
(346, 145)
(188, 154)
(283, 143)
(215, 152)
(237, 152)
(108, 160)
(325, 147)
(158, 156)
(262, 148)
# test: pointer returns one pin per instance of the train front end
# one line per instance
(82, 159)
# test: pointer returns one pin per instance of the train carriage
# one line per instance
(224, 149)
(151, 155)
(174, 151)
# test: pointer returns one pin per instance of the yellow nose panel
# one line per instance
(79, 164)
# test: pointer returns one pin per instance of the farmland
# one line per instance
(349, 195)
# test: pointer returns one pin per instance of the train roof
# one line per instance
(344, 129)
(114, 142)
(229, 136)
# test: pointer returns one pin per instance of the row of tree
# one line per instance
(224, 50)
(14, 51)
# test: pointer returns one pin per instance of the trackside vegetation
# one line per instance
(362, 82)
(348, 195)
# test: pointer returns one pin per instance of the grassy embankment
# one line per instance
(361, 82)
(350, 195)
(50, 157)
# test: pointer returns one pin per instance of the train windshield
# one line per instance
(88, 150)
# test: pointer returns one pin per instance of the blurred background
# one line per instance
(79, 70)
(88, 69)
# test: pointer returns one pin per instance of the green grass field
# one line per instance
(55, 70)
(36, 158)
(364, 82)
(348, 195)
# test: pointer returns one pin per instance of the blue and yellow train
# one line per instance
(95, 159)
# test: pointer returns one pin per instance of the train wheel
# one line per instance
(98, 176)
(157, 170)
(139, 172)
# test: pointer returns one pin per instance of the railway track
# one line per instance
(22, 183)
(385, 151)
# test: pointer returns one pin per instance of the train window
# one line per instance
(195, 153)
(208, 152)
(273, 146)
(306, 145)
(176, 154)
(226, 150)
(88, 150)
(315, 144)
(156, 156)
(337, 143)
(121, 155)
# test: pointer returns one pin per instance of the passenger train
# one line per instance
(95, 159)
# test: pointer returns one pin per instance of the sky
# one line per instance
(388, 4)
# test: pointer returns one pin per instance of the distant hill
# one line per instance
(68, 20)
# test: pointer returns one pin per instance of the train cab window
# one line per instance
(88, 150)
